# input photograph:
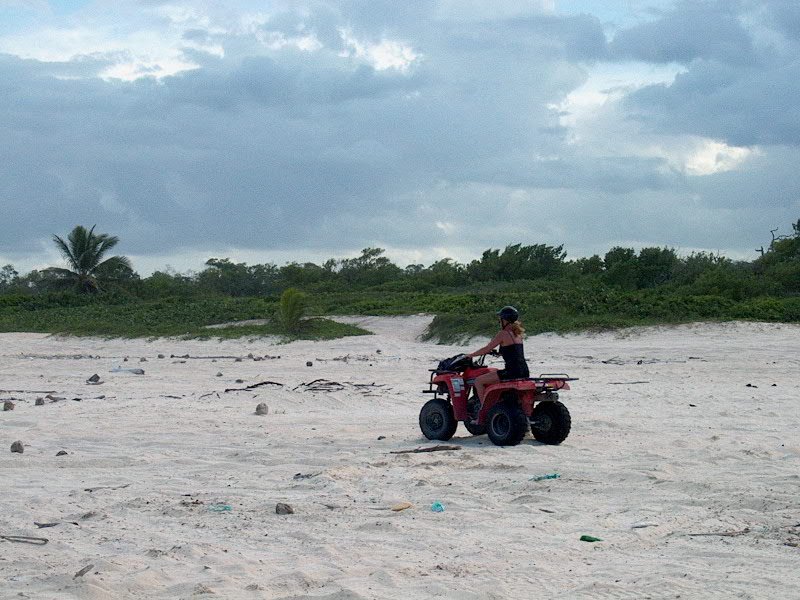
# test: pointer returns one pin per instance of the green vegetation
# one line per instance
(315, 328)
(121, 316)
(622, 288)
(292, 309)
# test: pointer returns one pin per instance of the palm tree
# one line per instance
(84, 251)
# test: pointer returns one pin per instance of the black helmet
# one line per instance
(508, 313)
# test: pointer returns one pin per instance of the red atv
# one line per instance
(509, 409)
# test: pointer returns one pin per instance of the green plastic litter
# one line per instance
(543, 477)
(590, 538)
(220, 507)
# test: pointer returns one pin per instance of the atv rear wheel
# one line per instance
(436, 420)
(506, 423)
(550, 422)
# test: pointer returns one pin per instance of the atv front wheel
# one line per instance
(506, 424)
(436, 420)
(550, 422)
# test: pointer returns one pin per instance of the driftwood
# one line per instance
(616, 360)
(320, 385)
(349, 357)
(61, 356)
(722, 533)
(326, 385)
(83, 571)
(202, 357)
(27, 391)
(25, 539)
(253, 386)
(106, 487)
(251, 357)
(613, 361)
(439, 448)
(626, 382)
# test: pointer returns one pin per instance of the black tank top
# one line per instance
(516, 367)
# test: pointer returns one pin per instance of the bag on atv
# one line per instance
(459, 362)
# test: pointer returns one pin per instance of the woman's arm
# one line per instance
(495, 341)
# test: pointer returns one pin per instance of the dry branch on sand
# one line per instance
(326, 385)
(106, 487)
(439, 448)
(253, 386)
(225, 356)
(721, 533)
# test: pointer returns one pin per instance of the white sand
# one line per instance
(637, 453)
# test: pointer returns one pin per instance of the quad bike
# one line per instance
(509, 408)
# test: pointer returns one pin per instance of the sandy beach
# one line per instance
(684, 458)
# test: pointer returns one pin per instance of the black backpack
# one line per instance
(459, 362)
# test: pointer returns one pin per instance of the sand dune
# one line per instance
(691, 450)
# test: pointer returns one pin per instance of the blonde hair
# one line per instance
(517, 328)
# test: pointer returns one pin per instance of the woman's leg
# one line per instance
(485, 380)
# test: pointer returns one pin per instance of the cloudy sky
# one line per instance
(269, 131)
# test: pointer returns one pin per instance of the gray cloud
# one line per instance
(784, 17)
(693, 30)
(734, 89)
(740, 106)
(270, 149)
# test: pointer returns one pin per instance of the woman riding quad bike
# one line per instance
(509, 339)
(506, 402)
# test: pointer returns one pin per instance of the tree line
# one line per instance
(90, 270)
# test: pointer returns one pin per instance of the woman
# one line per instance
(510, 341)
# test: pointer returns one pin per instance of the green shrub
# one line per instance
(292, 308)
(770, 309)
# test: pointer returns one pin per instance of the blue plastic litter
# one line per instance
(543, 477)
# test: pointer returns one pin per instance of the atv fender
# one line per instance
(523, 389)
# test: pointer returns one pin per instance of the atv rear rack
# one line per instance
(553, 377)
